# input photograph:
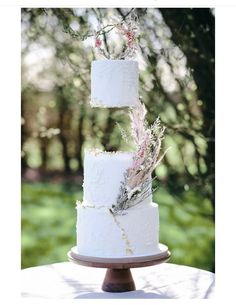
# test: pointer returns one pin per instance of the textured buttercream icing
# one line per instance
(101, 234)
(103, 174)
(114, 83)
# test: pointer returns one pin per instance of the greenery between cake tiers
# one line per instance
(136, 186)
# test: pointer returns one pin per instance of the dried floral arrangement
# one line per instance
(128, 29)
(136, 185)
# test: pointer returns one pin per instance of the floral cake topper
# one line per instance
(127, 29)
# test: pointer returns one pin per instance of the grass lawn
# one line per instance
(49, 217)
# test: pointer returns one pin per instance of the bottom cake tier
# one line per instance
(102, 234)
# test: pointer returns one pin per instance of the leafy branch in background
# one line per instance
(125, 26)
(128, 30)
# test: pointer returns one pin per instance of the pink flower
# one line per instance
(130, 37)
(98, 42)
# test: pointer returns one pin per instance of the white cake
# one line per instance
(114, 83)
(99, 232)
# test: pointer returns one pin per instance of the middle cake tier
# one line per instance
(103, 174)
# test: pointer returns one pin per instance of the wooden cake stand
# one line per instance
(118, 276)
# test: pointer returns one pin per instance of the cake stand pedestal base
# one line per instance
(118, 276)
(118, 280)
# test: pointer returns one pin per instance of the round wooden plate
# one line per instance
(120, 262)
(118, 276)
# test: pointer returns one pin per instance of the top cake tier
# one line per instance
(114, 83)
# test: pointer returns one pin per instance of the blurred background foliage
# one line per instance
(176, 62)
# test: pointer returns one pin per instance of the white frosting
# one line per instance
(101, 234)
(114, 83)
(103, 173)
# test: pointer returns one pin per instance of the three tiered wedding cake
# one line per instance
(117, 217)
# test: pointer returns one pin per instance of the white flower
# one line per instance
(137, 189)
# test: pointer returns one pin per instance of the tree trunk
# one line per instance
(43, 146)
(64, 120)
(80, 139)
(109, 126)
(23, 138)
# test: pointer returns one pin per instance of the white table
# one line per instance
(67, 280)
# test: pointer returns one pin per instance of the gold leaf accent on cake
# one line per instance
(84, 205)
(128, 249)
(78, 203)
(98, 151)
